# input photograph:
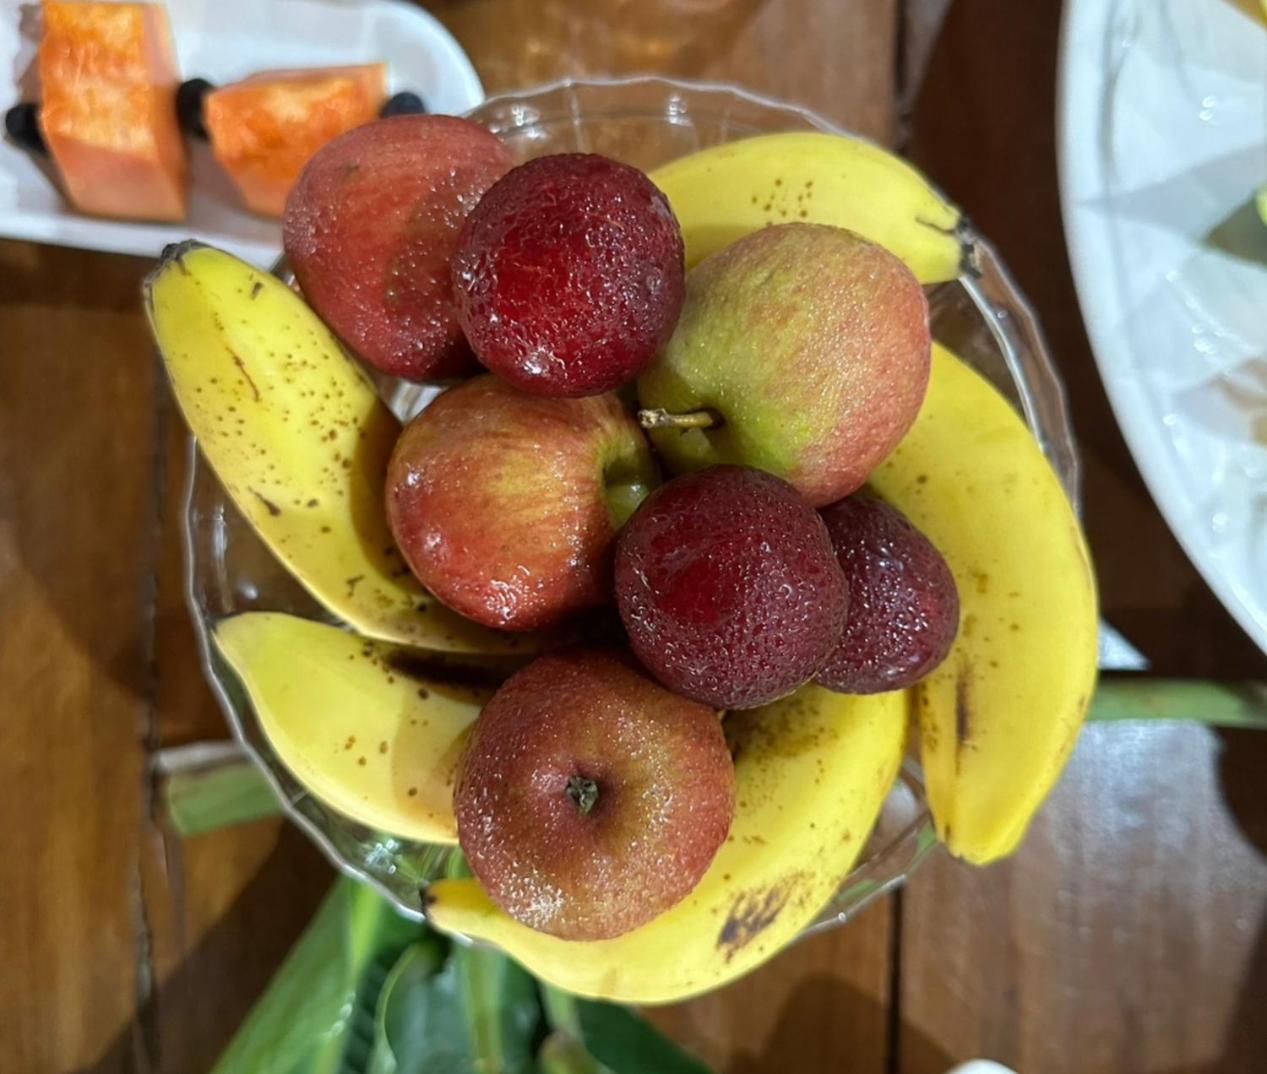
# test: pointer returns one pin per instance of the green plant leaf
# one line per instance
(1219, 704)
(560, 1010)
(317, 1014)
(218, 796)
(479, 1014)
(404, 1014)
(617, 1038)
(561, 1054)
(503, 1012)
(628, 1044)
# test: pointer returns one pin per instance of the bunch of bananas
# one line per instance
(300, 440)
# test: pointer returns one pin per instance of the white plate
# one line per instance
(1163, 140)
(224, 40)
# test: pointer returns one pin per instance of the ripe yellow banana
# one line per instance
(723, 193)
(1000, 717)
(811, 772)
(297, 435)
(354, 721)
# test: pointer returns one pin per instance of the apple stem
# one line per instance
(663, 419)
(584, 792)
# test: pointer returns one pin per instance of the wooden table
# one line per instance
(1128, 935)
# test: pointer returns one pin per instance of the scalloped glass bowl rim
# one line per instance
(1008, 319)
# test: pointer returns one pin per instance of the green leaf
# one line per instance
(617, 1039)
(402, 1020)
(479, 1014)
(1230, 704)
(560, 1010)
(503, 1013)
(215, 797)
(627, 1044)
(317, 1014)
(561, 1054)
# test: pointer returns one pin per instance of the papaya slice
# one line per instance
(265, 128)
(108, 111)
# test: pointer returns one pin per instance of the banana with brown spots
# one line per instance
(811, 773)
(1000, 717)
(357, 722)
(294, 430)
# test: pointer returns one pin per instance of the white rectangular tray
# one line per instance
(223, 40)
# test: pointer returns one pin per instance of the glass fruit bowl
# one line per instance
(645, 121)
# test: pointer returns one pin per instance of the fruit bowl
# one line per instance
(646, 122)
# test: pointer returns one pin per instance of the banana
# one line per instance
(811, 773)
(723, 193)
(1000, 717)
(297, 435)
(356, 723)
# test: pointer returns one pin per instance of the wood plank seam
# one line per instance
(893, 1045)
(146, 1032)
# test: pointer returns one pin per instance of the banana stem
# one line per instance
(658, 418)
(1218, 704)
(560, 1009)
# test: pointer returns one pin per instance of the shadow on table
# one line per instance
(193, 1013)
(1245, 1046)
(81, 484)
(1242, 764)
(804, 1016)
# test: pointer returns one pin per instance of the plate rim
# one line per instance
(144, 238)
(1076, 160)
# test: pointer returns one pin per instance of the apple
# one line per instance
(590, 799)
(506, 505)
(803, 350)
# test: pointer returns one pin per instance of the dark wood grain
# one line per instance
(77, 543)
(837, 58)
(225, 907)
(822, 1001)
(1127, 934)
(122, 950)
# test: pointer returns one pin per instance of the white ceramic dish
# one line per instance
(223, 40)
(1162, 131)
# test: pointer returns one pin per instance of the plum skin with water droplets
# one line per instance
(728, 587)
(903, 602)
(665, 795)
(569, 275)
